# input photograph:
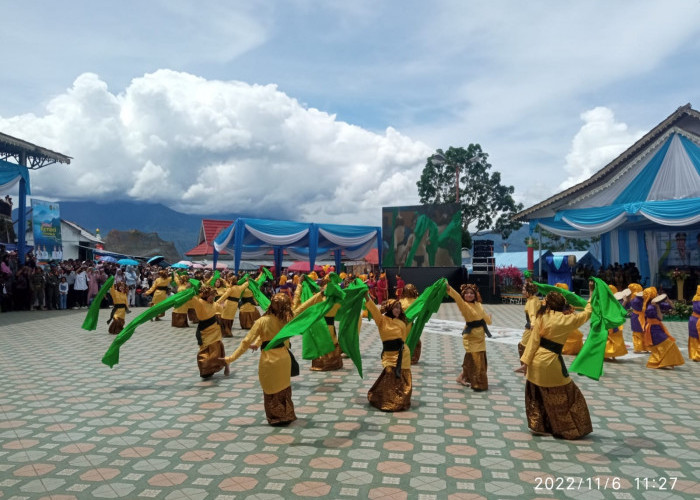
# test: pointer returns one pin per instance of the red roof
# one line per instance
(372, 257)
(207, 234)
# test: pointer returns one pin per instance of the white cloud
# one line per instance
(599, 141)
(208, 146)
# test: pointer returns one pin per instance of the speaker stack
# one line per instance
(483, 270)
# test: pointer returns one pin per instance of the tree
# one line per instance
(556, 243)
(486, 204)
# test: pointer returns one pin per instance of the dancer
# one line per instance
(179, 314)
(191, 313)
(116, 319)
(392, 390)
(400, 284)
(694, 328)
(276, 365)
(409, 296)
(248, 312)
(553, 403)
(382, 289)
(475, 364)
(211, 348)
(664, 351)
(159, 290)
(634, 304)
(615, 345)
(230, 302)
(532, 305)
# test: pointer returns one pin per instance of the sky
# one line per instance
(326, 111)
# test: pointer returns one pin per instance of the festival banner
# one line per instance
(46, 227)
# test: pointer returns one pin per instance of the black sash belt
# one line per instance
(476, 324)
(330, 320)
(202, 325)
(556, 349)
(527, 321)
(164, 288)
(295, 364)
(114, 309)
(232, 299)
(393, 346)
(246, 300)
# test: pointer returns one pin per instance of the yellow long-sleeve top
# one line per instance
(475, 341)
(118, 298)
(247, 306)
(204, 311)
(391, 329)
(183, 308)
(532, 305)
(405, 304)
(160, 289)
(544, 367)
(275, 365)
(230, 300)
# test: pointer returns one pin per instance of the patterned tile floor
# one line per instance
(151, 428)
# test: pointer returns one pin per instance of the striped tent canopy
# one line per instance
(653, 186)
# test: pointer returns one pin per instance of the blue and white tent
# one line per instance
(256, 238)
(652, 187)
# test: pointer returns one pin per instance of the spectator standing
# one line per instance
(51, 289)
(37, 282)
(70, 279)
(63, 293)
(81, 288)
(131, 280)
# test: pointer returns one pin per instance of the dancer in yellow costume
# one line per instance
(116, 319)
(634, 304)
(615, 345)
(230, 303)
(275, 365)
(248, 312)
(159, 289)
(694, 329)
(663, 347)
(553, 403)
(179, 314)
(392, 390)
(211, 348)
(532, 305)
(475, 364)
(410, 294)
(574, 341)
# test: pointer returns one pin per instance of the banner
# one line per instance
(46, 227)
(678, 249)
(422, 236)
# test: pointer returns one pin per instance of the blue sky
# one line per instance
(327, 110)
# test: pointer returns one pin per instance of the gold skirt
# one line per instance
(416, 353)
(693, 348)
(226, 325)
(192, 315)
(179, 320)
(615, 346)
(561, 411)
(390, 393)
(638, 342)
(665, 354)
(474, 369)
(207, 359)
(116, 326)
(248, 318)
(279, 408)
(328, 362)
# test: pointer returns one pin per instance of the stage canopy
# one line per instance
(652, 187)
(256, 238)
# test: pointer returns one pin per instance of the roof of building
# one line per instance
(207, 233)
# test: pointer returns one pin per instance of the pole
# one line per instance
(457, 166)
(22, 216)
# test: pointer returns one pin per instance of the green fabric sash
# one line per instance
(214, 278)
(111, 357)
(607, 313)
(423, 308)
(423, 224)
(318, 339)
(316, 343)
(266, 275)
(258, 295)
(570, 296)
(93, 313)
(349, 318)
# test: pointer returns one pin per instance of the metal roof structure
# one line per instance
(37, 157)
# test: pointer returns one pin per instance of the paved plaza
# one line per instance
(71, 428)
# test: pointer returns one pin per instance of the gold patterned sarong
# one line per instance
(248, 318)
(474, 369)
(116, 326)
(665, 354)
(279, 408)
(561, 411)
(415, 357)
(328, 362)
(226, 325)
(192, 316)
(179, 320)
(521, 350)
(391, 393)
(207, 359)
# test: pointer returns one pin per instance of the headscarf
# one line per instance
(280, 307)
(697, 294)
(473, 288)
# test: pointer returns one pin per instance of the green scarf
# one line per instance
(423, 308)
(349, 318)
(265, 275)
(212, 281)
(316, 342)
(111, 357)
(570, 297)
(607, 313)
(93, 313)
(258, 295)
(423, 224)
